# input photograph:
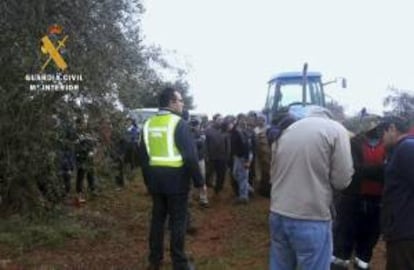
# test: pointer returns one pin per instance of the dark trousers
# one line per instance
(219, 168)
(234, 184)
(252, 171)
(175, 206)
(119, 179)
(131, 155)
(66, 181)
(356, 227)
(264, 185)
(400, 255)
(79, 179)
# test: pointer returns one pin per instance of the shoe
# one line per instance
(204, 204)
(339, 264)
(251, 190)
(360, 264)
(81, 198)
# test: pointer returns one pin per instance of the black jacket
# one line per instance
(167, 180)
(398, 198)
(217, 144)
(240, 145)
(200, 142)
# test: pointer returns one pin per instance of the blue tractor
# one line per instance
(293, 92)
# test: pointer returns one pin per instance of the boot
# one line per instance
(360, 264)
(339, 264)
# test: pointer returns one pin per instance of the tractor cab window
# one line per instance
(289, 93)
(284, 93)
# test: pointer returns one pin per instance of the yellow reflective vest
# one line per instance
(159, 140)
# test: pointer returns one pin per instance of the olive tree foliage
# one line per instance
(152, 81)
(336, 109)
(351, 122)
(104, 45)
(400, 102)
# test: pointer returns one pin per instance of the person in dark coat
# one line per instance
(169, 161)
(200, 141)
(398, 199)
(357, 225)
(85, 148)
(241, 149)
(217, 153)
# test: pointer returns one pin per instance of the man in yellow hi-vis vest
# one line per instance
(169, 162)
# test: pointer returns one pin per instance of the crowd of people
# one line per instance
(81, 147)
(332, 193)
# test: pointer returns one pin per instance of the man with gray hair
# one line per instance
(311, 158)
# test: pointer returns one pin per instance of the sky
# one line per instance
(231, 48)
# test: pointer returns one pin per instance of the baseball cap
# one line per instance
(367, 123)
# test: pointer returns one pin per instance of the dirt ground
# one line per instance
(229, 236)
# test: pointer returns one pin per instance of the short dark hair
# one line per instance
(194, 122)
(241, 116)
(286, 122)
(216, 116)
(166, 95)
(400, 123)
(252, 114)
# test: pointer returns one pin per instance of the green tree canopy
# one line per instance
(400, 102)
(104, 45)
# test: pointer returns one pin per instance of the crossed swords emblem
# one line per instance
(49, 48)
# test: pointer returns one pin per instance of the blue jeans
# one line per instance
(299, 244)
(241, 175)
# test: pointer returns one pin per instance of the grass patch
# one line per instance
(23, 233)
(216, 264)
(250, 238)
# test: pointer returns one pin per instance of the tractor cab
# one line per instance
(294, 92)
(287, 92)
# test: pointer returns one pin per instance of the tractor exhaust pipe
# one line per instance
(304, 83)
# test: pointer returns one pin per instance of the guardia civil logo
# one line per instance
(53, 50)
(53, 69)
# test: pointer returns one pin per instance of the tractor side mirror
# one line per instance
(342, 80)
(343, 83)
